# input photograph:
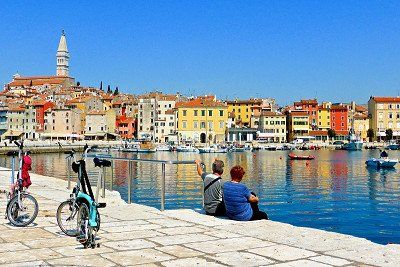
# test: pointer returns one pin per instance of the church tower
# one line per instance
(62, 57)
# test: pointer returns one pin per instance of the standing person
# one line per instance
(384, 154)
(213, 203)
(240, 203)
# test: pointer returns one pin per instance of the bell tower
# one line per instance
(62, 57)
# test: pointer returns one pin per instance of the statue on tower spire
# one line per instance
(62, 56)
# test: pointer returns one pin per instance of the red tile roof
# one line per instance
(271, 114)
(298, 113)
(38, 80)
(198, 102)
(385, 99)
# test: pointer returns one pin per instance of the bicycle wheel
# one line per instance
(23, 212)
(83, 225)
(66, 218)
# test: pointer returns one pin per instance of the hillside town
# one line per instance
(60, 108)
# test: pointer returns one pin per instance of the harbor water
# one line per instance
(335, 192)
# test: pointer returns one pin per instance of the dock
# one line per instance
(133, 234)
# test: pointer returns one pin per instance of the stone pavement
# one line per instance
(143, 236)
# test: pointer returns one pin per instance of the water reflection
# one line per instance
(334, 192)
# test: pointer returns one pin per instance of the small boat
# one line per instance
(393, 147)
(353, 145)
(213, 149)
(186, 148)
(308, 157)
(164, 148)
(382, 162)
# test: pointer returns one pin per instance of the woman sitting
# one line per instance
(240, 203)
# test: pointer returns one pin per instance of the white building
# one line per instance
(272, 127)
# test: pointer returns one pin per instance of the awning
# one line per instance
(11, 133)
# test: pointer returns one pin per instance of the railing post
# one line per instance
(103, 183)
(163, 187)
(69, 172)
(112, 176)
(130, 167)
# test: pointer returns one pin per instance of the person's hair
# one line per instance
(237, 173)
(218, 167)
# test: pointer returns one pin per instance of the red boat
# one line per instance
(293, 156)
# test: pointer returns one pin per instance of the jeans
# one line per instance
(257, 214)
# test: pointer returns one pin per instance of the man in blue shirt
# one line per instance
(240, 203)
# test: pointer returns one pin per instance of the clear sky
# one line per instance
(332, 50)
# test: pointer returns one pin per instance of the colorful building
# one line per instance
(272, 127)
(126, 127)
(311, 107)
(202, 120)
(384, 114)
(243, 110)
(324, 119)
(297, 124)
(339, 118)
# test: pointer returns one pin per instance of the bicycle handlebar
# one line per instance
(19, 145)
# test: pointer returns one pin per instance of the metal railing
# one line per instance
(130, 171)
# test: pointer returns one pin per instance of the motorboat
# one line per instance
(213, 149)
(299, 157)
(382, 162)
(164, 148)
(353, 145)
(186, 148)
(393, 147)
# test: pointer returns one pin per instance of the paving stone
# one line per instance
(237, 258)
(221, 234)
(26, 264)
(181, 230)
(131, 235)
(30, 255)
(91, 260)
(24, 234)
(51, 242)
(14, 246)
(167, 222)
(122, 223)
(133, 257)
(230, 244)
(179, 251)
(78, 250)
(381, 257)
(130, 228)
(283, 252)
(129, 244)
(330, 260)
(181, 239)
(302, 263)
(198, 262)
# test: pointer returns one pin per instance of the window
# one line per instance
(221, 113)
(67, 127)
(202, 125)
(390, 115)
(203, 112)
(184, 124)
(210, 113)
(184, 112)
(266, 122)
(210, 125)
(195, 124)
(221, 124)
(195, 112)
(90, 128)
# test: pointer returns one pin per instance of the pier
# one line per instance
(133, 234)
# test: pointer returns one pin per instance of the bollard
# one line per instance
(130, 167)
(69, 172)
(112, 176)
(163, 187)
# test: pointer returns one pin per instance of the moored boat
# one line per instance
(306, 157)
(382, 162)
(186, 148)
(164, 148)
(213, 149)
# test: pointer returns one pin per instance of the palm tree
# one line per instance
(331, 133)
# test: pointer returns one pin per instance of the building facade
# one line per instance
(272, 127)
(297, 124)
(384, 114)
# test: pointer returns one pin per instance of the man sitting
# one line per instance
(213, 204)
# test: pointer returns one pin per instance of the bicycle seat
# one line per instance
(75, 167)
(101, 162)
(12, 153)
(101, 205)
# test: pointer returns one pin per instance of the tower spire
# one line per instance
(62, 56)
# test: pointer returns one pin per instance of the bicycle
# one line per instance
(81, 209)
(22, 208)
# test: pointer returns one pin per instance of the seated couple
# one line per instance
(232, 198)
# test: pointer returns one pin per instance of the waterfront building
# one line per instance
(324, 119)
(15, 122)
(166, 127)
(243, 110)
(100, 125)
(29, 127)
(239, 135)
(126, 127)
(3, 118)
(272, 127)
(361, 126)
(146, 118)
(297, 124)
(62, 123)
(339, 118)
(384, 114)
(202, 120)
(40, 107)
(311, 107)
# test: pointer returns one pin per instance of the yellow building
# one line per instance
(202, 120)
(324, 119)
(384, 113)
(298, 124)
(243, 110)
(361, 126)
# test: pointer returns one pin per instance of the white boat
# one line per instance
(213, 149)
(164, 148)
(353, 145)
(382, 162)
(186, 148)
(355, 142)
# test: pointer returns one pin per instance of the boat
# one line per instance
(382, 162)
(393, 147)
(237, 148)
(164, 148)
(213, 149)
(144, 146)
(186, 148)
(355, 142)
(298, 157)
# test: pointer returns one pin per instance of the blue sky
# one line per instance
(332, 50)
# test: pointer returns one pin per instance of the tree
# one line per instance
(101, 85)
(109, 89)
(31, 83)
(370, 134)
(116, 91)
(389, 134)
(78, 84)
(331, 133)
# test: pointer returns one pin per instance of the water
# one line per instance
(334, 192)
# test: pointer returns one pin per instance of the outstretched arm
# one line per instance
(199, 168)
